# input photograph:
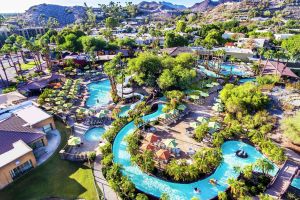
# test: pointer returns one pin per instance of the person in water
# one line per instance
(213, 181)
(196, 190)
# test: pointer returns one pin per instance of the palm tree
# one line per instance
(264, 165)
(237, 188)
(222, 196)
(4, 71)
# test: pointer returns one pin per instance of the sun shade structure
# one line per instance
(170, 143)
(152, 138)
(202, 120)
(181, 107)
(209, 85)
(204, 94)
(194, 97)
(73, 141)
(218, 107)
(194, 124)
(148, 146)
(164, 116)
(163, 154)
(214, 125)
(215, 83)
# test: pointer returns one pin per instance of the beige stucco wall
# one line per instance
(5, 177)
(44, 123)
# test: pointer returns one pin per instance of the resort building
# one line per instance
(11, 98)
(23, 136)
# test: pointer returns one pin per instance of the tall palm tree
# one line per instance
(237, 188)
(4, 71)
(264, 165)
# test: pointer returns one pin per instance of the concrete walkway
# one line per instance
(283, 179)
(54, 140)
(107, 191)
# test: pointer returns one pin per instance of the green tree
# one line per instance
(174, 40)
(290, 45)
(291, 128)
(201, 131)
(222, 196)
(141, 196)
(180, 26)
(237, 188)
(166, 79)
(264, 165)
(111, 22)
(164, 196)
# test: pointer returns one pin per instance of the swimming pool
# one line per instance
(156, 187)
(99, 93)
(296, 183)
(94, 134)
(124, 111)
(245, 80)
(226, 70)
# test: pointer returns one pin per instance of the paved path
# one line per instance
(107, 191)
(283, 179)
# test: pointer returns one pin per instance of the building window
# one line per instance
(20, 170)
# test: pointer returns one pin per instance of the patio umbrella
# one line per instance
(174, 112)
(163, 154)
(215, 83)
(80, 110)
(67, 105)
(218, 100)
(86, 67)
(152, 138)
(181, 107)
(170, 143)
(214, 125)
(194, 124)
(194, 97)
(204, 94)
(218, 107)
(164, 116)
(202, 120)
(209, 85)
(100, 115)
(59, 102)
(147, 146)
(47, 99)
(73, 141)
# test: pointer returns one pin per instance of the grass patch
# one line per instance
(54, 178)
(28, 66)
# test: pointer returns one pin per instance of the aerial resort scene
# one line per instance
(150, 100)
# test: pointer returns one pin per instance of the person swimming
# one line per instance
(213, 181)
(196, 190)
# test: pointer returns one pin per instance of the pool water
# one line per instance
(177, 191)
(226, 70)
(296, 183)
(94, 134)
(99, 93)
(124, 111)
(245, 80)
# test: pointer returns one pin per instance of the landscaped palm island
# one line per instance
(179, 117)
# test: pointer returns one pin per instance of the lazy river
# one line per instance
(156, 187)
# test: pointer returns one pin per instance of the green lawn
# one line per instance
(28, 66)
(54, 178)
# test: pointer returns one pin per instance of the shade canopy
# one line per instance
(214, 125)
(218, 107)
(204, 94)
(163, 154)
(194, 97)
(170, 143)
(202, 120)
(215, 83)
(181, 107)
(164, 116)
(209, 85)
(152, 138)
(194, 124)
(73, 141)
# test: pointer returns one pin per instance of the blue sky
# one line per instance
(8, 6)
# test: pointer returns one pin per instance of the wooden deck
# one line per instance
(283, 179)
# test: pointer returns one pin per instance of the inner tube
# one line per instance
(241, 154)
